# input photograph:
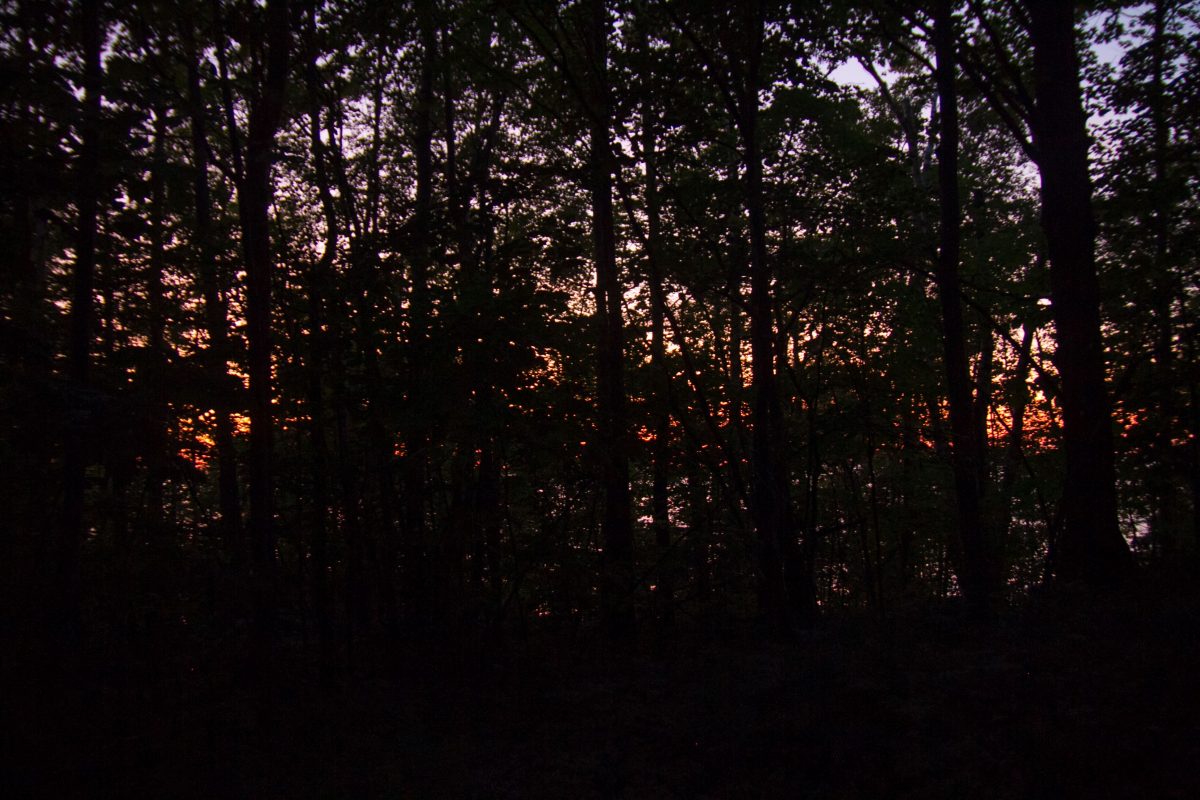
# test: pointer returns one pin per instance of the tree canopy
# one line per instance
(340, 325)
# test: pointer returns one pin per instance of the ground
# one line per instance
(1064, 694)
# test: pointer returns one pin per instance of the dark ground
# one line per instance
(1064, 696)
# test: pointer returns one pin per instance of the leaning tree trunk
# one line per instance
(1090, 547)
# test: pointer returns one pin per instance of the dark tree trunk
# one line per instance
(1167, 520)
(617, 522)
(783, 587)
(75, 449)
(319, 283)
(966, 455)
(421, 562)
(366, 278)
(876, 586)
(463, 524)
(814, 466)
(698, 510)
(1194, 466)
(1018, 401)
(215, 310)
(359, 549)
(734, 279)
(321, 564)
(661, 448)
(156, 362)
(473, 225)
(1090, 547)
(255, 194)
(30, 215)
(355, 587)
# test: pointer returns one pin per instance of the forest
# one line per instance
(600, 398)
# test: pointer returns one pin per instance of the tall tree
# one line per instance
(214, 293)
(582, 59)
(660, 455)
(966, 452)
(617, 526)
(255, 190)
(75, 452)
(1091, 546)
(771, 502)
(738, 70)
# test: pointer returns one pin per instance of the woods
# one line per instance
(339, 334)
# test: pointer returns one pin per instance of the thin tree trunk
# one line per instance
(965, 454)
(321, 567)
(1194, 471)
(783, 591)
(29, 285)
(481, 520)
(661, 449)
(1167, 516)
(734, 278)
(1018, 393)
(854, 492)
(873, 502)
(814, 465)
(75, 455)
(155, 376)
(319, 281)
(355, 586)
(698, 541)
(215, 311)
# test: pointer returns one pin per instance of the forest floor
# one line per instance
(1065, 695)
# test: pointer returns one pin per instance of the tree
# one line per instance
(964, 430)
(589, 84)
(1143, 254)
(1091, 546)
(215, 294)
(75, 450)
(738, 72)
(254, 191)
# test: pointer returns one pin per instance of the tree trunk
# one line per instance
(617, 523)
(75, 453)
(966, 455)
(421, 560)
(1018, 401)
(156, 362)
(1167, 519)
(783, 589)
(661, 448)
(321, 564)
(1194, 466)
(319, 282)
(255, 194)
(215, 311)
(1091, 547)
